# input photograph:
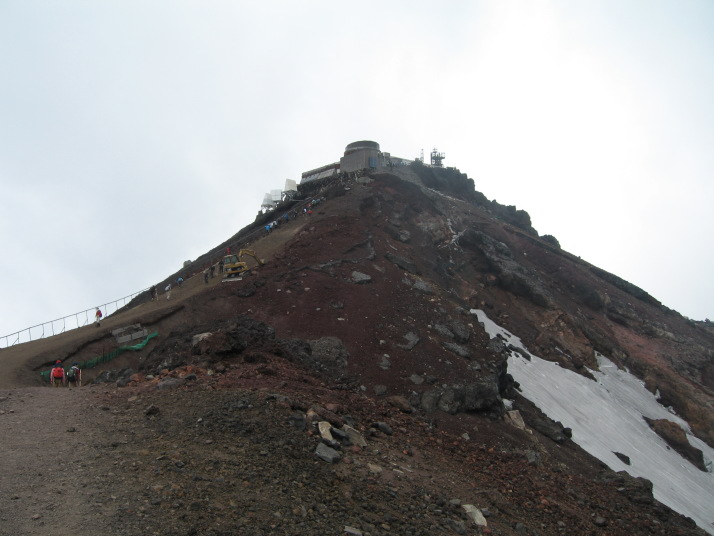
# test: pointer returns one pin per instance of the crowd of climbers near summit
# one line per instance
(293, 214)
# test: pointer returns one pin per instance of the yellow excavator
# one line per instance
(234, 267)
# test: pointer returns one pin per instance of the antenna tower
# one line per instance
(437, 158)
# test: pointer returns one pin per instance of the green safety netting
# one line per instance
(108, 356)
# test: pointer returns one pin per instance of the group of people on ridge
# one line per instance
(59, 376)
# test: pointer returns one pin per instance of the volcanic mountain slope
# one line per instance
(362, 316)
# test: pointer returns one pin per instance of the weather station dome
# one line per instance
(360, 146)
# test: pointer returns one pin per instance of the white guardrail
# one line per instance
(66, 323)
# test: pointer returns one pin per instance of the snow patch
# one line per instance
(606, 415)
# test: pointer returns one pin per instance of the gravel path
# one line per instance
(47, 446)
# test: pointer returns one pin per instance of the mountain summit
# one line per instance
(373, 377)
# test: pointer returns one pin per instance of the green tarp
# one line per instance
(107, 357)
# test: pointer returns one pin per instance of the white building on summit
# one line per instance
(358, 155)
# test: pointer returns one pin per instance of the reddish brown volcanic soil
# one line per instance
(224, 443)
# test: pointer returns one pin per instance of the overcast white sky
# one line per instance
(135, 135)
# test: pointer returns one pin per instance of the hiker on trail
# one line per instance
(205, 276)
(57, 375)
(220, 266)
(74, 375)
(168, 291)
(98, 316)
(228, 250)
(179, 281)
(154, 293)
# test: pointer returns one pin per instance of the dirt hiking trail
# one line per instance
(51, 477)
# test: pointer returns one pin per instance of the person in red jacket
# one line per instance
(57, 375)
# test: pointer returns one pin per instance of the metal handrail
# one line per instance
(18, 335)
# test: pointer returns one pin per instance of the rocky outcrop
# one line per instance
(625, 286)
(497, 258)
(675, 437)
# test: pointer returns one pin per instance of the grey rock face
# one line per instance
(443, 331)
(511, 275)
(402, 263)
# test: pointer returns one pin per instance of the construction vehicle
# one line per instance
(234, 267)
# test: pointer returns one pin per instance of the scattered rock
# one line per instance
(374, 468)
(170, 383)
(412, 340)
(324, 428)
(152, 410)
(355, 438)
(552, 429)
(383, 427)
(475, 515)
(404, 264)
(384, 362)
(600, 521)
(298, 420)
(514, 418)
(533, 457)
(443, 331)
(459, 350)
(360, 278)
(423, 286)
(327, 454)
(416, 379)
(401, 403)
(460, 332)
(623, 458)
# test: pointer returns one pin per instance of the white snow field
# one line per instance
(606, 415)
